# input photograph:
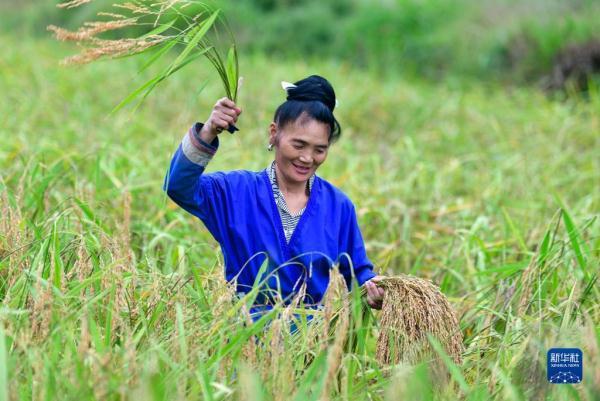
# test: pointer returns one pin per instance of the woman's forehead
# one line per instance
(307, 130)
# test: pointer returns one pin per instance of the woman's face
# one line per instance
(300, 148)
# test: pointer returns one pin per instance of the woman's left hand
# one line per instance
(374, 293)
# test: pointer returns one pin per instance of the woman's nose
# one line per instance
(306, 157)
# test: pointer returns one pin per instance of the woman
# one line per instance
(285, 215)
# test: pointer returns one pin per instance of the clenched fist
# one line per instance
(223, 114)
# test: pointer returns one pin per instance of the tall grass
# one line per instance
(109, 291)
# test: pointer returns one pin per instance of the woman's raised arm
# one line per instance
(197, 148)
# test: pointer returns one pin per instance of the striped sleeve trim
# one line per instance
(208, 147)
(195, 149)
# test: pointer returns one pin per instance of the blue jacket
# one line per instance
(239, 210)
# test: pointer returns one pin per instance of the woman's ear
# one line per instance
(272, 133)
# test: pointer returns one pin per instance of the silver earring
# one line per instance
(270, 147)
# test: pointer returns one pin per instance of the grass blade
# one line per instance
(202, 376)
(517, 234)
(454, 370)
(573, 237)
(544, 248)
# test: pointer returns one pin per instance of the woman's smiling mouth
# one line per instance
(301, 169)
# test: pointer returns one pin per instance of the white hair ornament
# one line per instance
(287, 85)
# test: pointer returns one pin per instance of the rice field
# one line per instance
(109, 291)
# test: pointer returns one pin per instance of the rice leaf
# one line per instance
(165, 48)
(149, 85)
(517, 234)
(232, 72)
(87, 211)
(314, 374)
(200, 293)
(136, 93)
(569, 309)
(109, 314)
(190, 34)
(162, 78)
(95, 334)
(202, 376)
(242, 336)
(215, 58)
(159, 29)
(186, 62)
(202, 30)
(506, 270)
(573, 237)
(588, 290)
(201, 87)
(57, 260)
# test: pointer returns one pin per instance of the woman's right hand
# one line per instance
(223, 114)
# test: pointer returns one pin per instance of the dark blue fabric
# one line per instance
(239, 210)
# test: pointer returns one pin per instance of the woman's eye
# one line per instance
(297, 146)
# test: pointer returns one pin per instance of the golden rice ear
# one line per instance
(72, 3)
(412, 309)
(336, 292)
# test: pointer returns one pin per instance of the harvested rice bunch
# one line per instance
(412, 309)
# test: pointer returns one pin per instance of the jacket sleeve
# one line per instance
(353, 261)
(186, 184)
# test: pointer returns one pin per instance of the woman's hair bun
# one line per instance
(314, 87)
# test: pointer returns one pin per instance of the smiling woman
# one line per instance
(285, 215)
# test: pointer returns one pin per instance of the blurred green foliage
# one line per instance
(510, 40)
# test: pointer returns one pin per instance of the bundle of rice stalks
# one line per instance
(165, 24)
(414, 308)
